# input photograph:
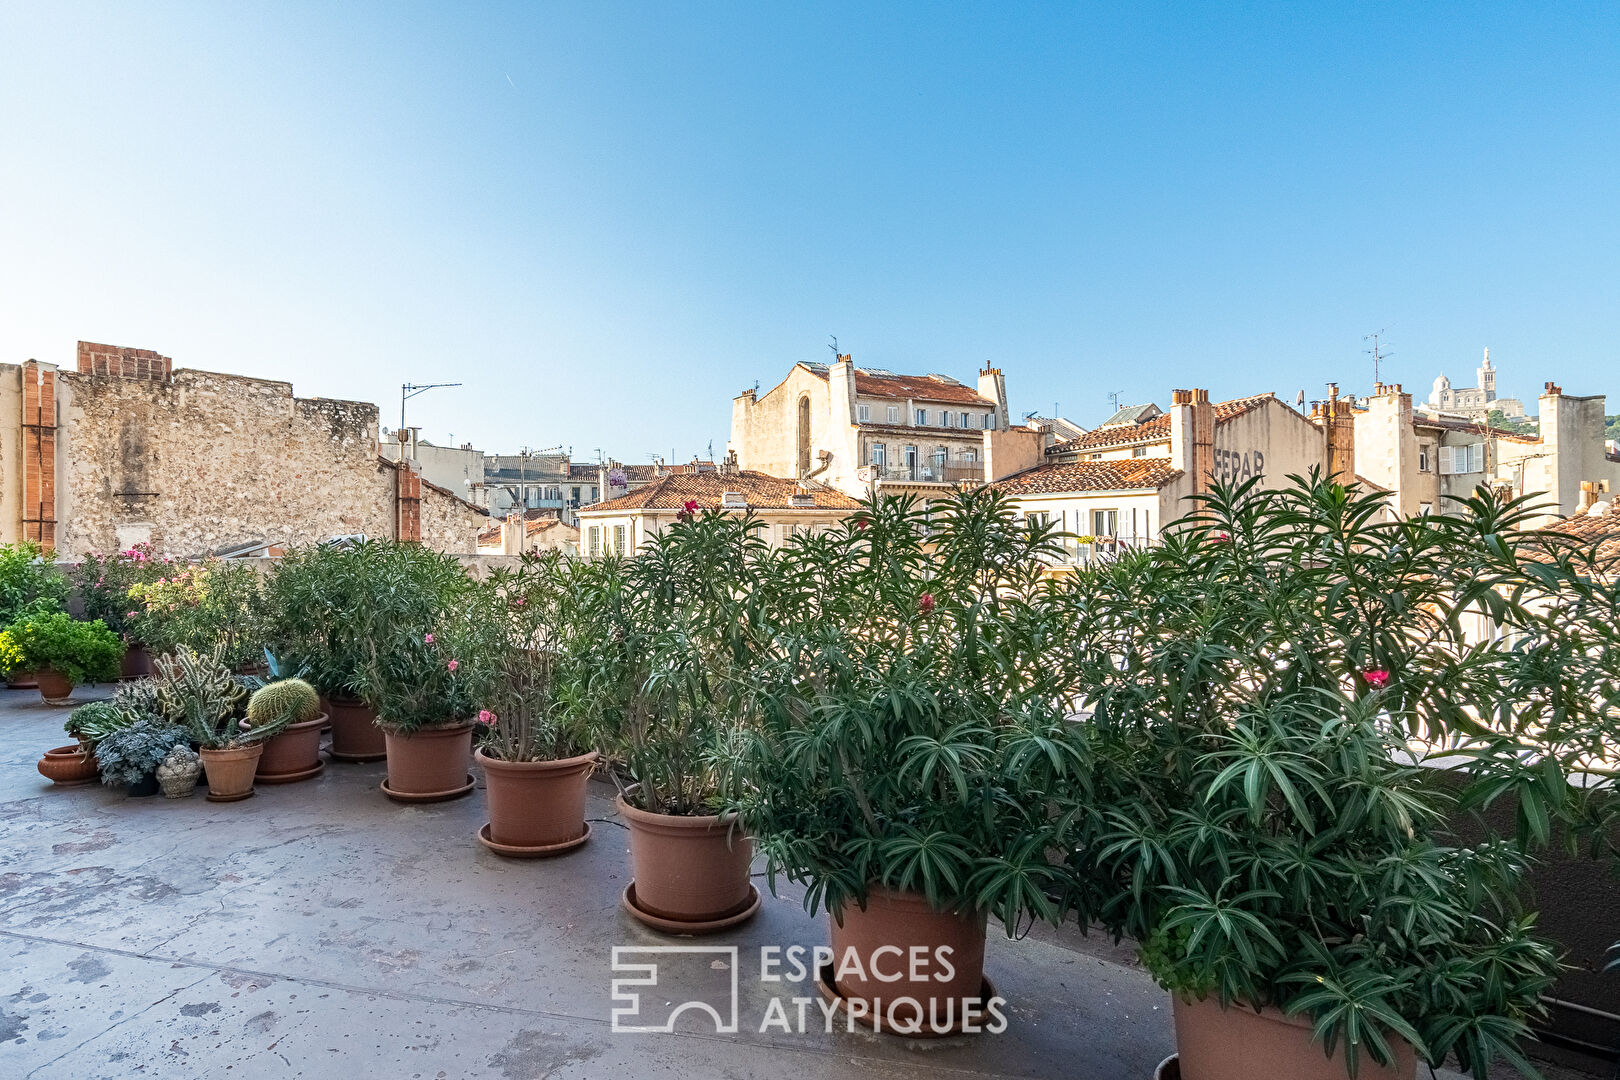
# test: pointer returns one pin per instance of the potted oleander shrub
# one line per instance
(652, 665)
(208, 606)
(312, 597)
(536, 757)
(411, 615)
(294, 752)
(63, 651)
(913, 765)
(198, 694)
(129, 757)
(101, 583)
(1258, 819)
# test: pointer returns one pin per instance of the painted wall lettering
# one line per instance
(1236, 466)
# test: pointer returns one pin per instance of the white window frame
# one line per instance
(619, 539)
(594, 540)
(922, 417)
(879, 454)
(863, 413)
(894, 414)
(989, 421)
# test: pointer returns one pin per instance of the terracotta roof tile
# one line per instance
(1124, 474)
(1601, 529)
(924, 388)
(763, 492)
(1155, 430)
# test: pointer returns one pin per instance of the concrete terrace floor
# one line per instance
(320, 930)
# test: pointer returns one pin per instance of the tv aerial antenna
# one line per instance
(1114, 397)
(1379, 352)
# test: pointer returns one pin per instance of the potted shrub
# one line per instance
(102, 583)
(1258, 824)
(913, 765)
(294, 753)
(535, 756)
(64, 652)
(312, 597)
(211, 605)
(651, 665)
(197, 693)
(411, 616)
(129, 757)
(29, 583)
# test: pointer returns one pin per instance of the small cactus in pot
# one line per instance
(290, 701)
(177, 774)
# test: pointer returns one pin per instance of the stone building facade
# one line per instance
(1475, 402)
(125, 449)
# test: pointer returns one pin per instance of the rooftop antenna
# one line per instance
(406, 392)
(1114, 397)
(1378, 352)
(711, 449)
(834, 346)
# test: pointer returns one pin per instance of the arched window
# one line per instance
(804, 435)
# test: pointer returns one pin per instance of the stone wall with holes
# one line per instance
(198, 461)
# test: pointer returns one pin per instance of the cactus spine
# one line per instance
(292, 700)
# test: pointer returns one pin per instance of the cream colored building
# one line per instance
(533, 532)
(1121, 483)
(1424, 458)
(783, 507)
(1474, 402)
(855, 429)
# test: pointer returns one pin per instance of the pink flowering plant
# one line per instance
(101, 583)
(520, 617)
(413, 618)
(217, 603)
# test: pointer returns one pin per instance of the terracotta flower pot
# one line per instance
(430, 763)
(54, 688)
(878, 951)
(137, 663)
(687, 869)
(293, 753)
(355, 734)
(536, 804)
(1213, 1043)
(69, 766)
(230, 772)
(22, 680)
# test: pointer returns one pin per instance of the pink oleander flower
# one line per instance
(1219, 538)
(925, 603)
(427, 639)
(487, 718)
(1376, 677)
(452, 665)
(129, 614)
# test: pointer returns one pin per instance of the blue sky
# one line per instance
(606, 220)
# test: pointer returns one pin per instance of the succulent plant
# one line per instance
(177, 773)
(138, 699)
(196, 691)
(292, 700)
(127, 756)
(92, 722)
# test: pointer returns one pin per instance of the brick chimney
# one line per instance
(118, 361)
(993, 385)
(1192, 436)
(1336, 418)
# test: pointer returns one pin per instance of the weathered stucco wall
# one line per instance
(209, 460)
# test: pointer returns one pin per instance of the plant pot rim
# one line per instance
(238, 751)
(546, 765)
(454, 727)
(73, 750)
(347, 701)
(302, 725)
(675, 822)
(1272, 1013)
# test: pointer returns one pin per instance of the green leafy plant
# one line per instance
(516, 640)
(131, 754)
(215, 604)
(102, 583)
(29, 581)
(911, 727)
(653, 662)
(55, 641)
(411, 616)
(312, 597)
(1258, 687)
(196, 692)
(289, 701)
(95, 720)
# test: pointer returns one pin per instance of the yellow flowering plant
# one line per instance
(11, 656)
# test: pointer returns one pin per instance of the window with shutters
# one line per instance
(618, 539)
(922, 417)
(595, 535)
(863, 413)
(894, 414)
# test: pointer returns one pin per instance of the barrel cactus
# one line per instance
(291, 700)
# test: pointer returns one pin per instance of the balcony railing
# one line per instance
(932, 472)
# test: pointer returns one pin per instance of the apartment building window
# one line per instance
(946, 418)
(922, 417)
(863, 413)
(575, 495)
(1104, 522)
(940, 457)
(911, 461)
(1456, 460)
(989, 421)
(1423, 459)
(970, 455)
(1140, 451)
(618, 539)
(894, 414)
(878, 453)
(593, 494)
(594, 540)
(966, 417)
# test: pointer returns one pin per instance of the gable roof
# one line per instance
(763, 492)
(1123, 474)
(1155, 428)
(1471, 427)
(877, 383)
